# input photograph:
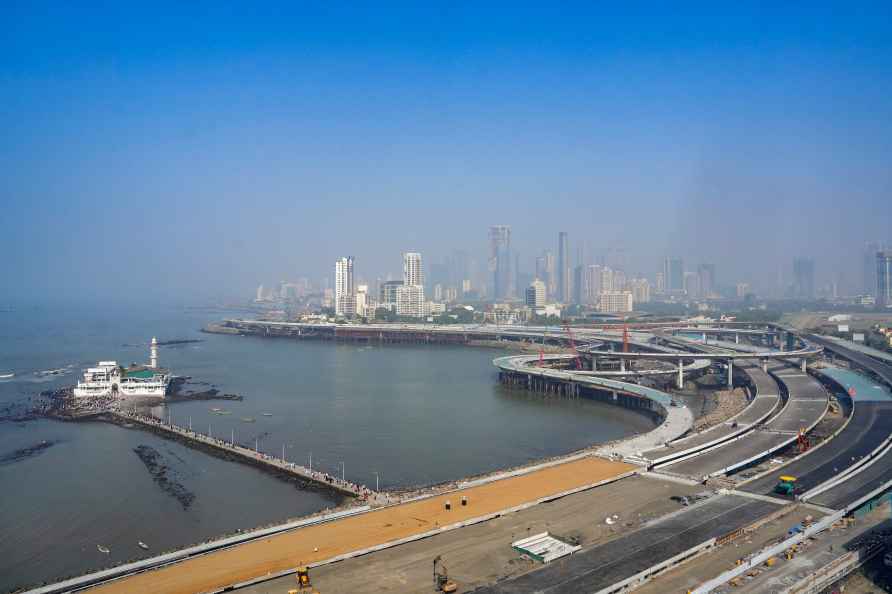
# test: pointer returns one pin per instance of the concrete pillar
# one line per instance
(730, 373)
(737, 338)
(622, 364)
(804, 363)
(680, 381)
(764, 365)
(704, 337)
(594, 362)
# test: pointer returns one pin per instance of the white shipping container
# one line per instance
(858, 337)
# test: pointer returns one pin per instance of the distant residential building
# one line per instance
(434, 308)
(536, 294)
(640, 288)
(884, 278)
(412, 270)
(593, 283)
(616, 302)
(387, 293)
(550, 277)
(327, 297)
(438, 292)
(804, 278)
(563, 268)
(259, 296)
(869, 268)
(743, 289)
(548, 310)
(706, 274)
(661, 283)
(364, 303)
(579, 284)
(692, 284)
(465, 286)
(345, 298)
(410, 301)
(500, 261)
(673, 275)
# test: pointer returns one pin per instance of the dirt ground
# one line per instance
(325, 541)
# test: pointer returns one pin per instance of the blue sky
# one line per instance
(209, 147)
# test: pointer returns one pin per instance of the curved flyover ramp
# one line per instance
(766, 400)
(807, 403)
(677, 420)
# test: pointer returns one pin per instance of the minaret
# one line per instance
(153, 362)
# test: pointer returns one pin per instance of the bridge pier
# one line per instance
(764, 365)
(736, 338)
(730, 373)
(804, 364)
(622, 364)
(679, 383)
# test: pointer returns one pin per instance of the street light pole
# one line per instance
(311, 461)
(376, 481)
(342, 470)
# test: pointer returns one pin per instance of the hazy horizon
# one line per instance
(194, 152)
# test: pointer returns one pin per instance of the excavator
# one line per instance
(442, 583)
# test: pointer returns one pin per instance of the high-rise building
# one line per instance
(884, 278)
(869, 269)
(550, 277)
(500, 261)
(387, 292)
(804, 278)
(706, 274)
(364, 304)
(616, 302)
(692, 284)
(593, 276)
(535, 294)
(259, 296)
(673, 275)
(640, 288)
(345, 299)
(410, 301)
(412, 271)
(541, 268)
(661, 283)
(563, 268)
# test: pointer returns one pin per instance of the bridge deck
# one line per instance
(806, 406)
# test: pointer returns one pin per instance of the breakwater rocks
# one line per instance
(180, 390)
(25, 453)
(163, 475)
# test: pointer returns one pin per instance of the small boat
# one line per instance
(9, 375)
(143, 545)
(103, 549)
(248, 419)
(267, 414)
(225, 412)
(216, 410)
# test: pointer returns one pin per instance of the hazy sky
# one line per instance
(199, 149)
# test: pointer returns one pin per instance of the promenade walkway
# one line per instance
(254, 456)
(406, 521)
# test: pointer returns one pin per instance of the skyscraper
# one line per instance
(673, 275)
(500, 261)
(804, 278)
(535, 294)
(563, 268)
(884, 278)
(345, 300)
(869, 269)
(412, 272)
(706, 272)
(550, 277)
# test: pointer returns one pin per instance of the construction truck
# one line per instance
(786, 485)
(441, 577)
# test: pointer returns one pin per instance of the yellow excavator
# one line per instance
(442, 582)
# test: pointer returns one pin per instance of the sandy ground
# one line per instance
(481, 554)
(317, 543)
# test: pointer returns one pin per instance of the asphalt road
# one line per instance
(602, 566)
(869, 426)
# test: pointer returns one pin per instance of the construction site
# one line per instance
(777, 485)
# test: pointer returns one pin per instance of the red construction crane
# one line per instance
(573, 345)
